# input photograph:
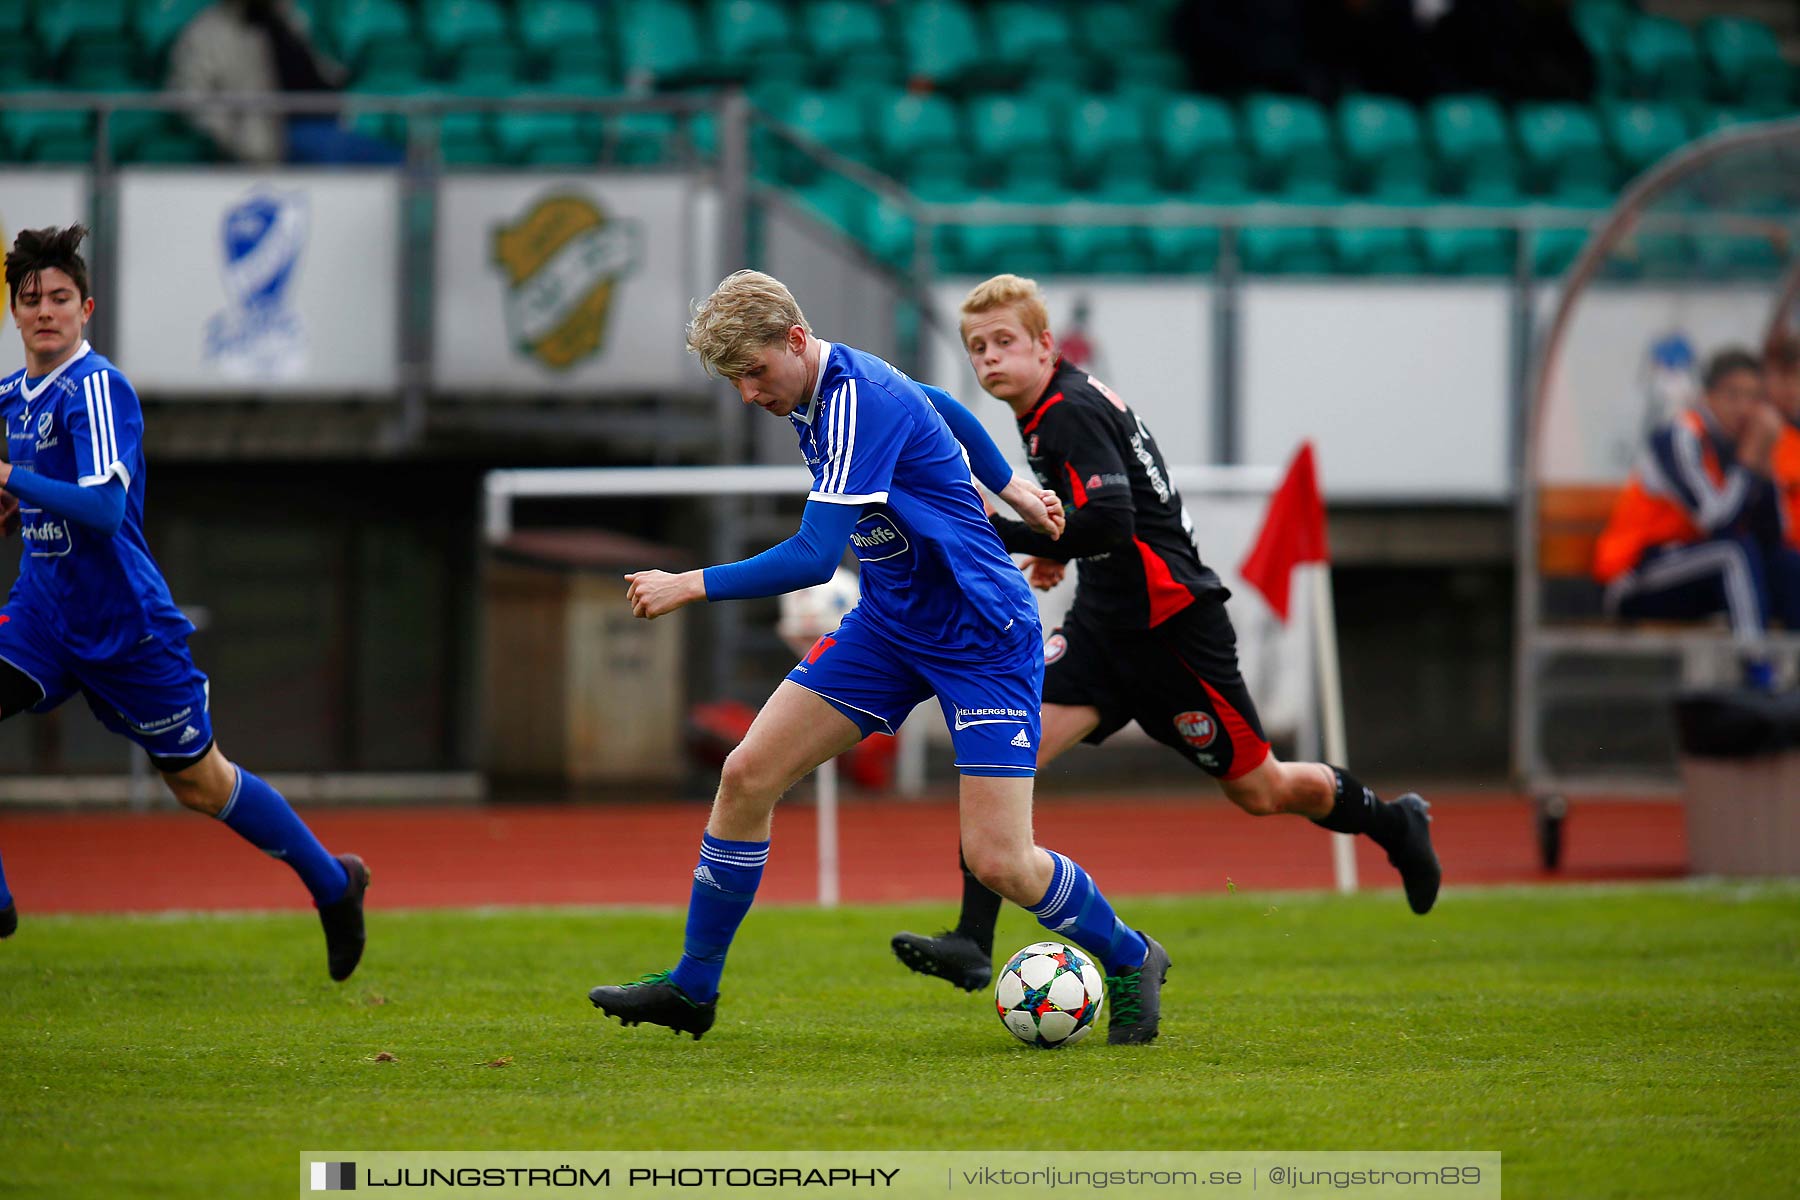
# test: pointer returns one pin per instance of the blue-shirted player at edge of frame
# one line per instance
(90, 611)
(944, 612)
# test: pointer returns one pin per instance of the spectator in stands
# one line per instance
(1781, 376)
(1697, 529)
(252, 46)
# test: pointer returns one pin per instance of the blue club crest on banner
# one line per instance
(259, 334)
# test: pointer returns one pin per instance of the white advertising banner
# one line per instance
(1152, 343)
(570, 283)
(33, 200)
(1402, 387)
(1629, 361)
(276, 283)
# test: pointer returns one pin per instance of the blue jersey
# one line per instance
(81, 424)
(933, 569)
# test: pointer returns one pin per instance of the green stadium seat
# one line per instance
(1117, 33)
(834, 202)
(580, 67)
(1708, 121)
(175, 147)
(755, 37)
(15, 20)
(129, 128)
(545, 27)
(453, 25)
(919, 137)
(659, 44)
(887, 230)
(392, 67)
(547, 138)
(1746, 62)
(942, 42)
(1662, 61)
(466, 139)
(359, 24)
(356, 24)
(1371, 251)
(642, 138)
(1473, 150)
(1201, 150)
(21, 70)
(850, 45)
(1565, 156)
(1028, 38)
(1014, 140)
(1739, 256)
(1285, 250)
(1107, 144)
(1153, 75)
(827, 118)
(1183, 249)
(1290, 145)
(49, 135)
(103, 63)
(1102, 250)
(1553, 251)
(485, 68)
(1384, 147)
(157, 23)
(1642, 132)
(1468, 251)
(992, 249)
(58, 24)
(1602, 25)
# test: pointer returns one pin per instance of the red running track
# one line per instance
(891, 851)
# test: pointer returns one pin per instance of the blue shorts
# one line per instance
(991, 694)
(153, 693)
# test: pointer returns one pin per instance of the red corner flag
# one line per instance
(1293, 532)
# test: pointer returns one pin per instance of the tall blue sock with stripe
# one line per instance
(725, 884)
(257, 813)
(1075, 908)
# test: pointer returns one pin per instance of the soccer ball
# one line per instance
(1049, 995)
(810, 613)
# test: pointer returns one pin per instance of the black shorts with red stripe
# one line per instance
(1178, 680)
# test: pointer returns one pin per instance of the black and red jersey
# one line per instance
(1126, 521)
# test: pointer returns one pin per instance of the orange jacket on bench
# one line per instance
(1787, 479)
(1654, 507)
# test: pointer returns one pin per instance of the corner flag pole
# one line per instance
(1331, 708)
(1293, 533)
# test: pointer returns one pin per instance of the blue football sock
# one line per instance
(258, 814)
(5, 896)
(725, 883)
(1074, 908)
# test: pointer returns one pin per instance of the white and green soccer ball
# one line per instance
(1049, 994)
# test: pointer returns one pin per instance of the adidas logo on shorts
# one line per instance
(1020, 739)
(187, 735)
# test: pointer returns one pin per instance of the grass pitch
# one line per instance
(1623, 1042)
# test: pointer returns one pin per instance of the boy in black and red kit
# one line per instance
(1147, 638)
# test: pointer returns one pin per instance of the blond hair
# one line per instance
(747, 311)
(1008, 291)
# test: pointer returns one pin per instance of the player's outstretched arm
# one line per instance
(807, 558)
(100, 507)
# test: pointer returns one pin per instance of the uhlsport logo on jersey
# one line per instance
(1198, 728)
(333, 1177)
(259, 336)
(563, 261)
(877, 538)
